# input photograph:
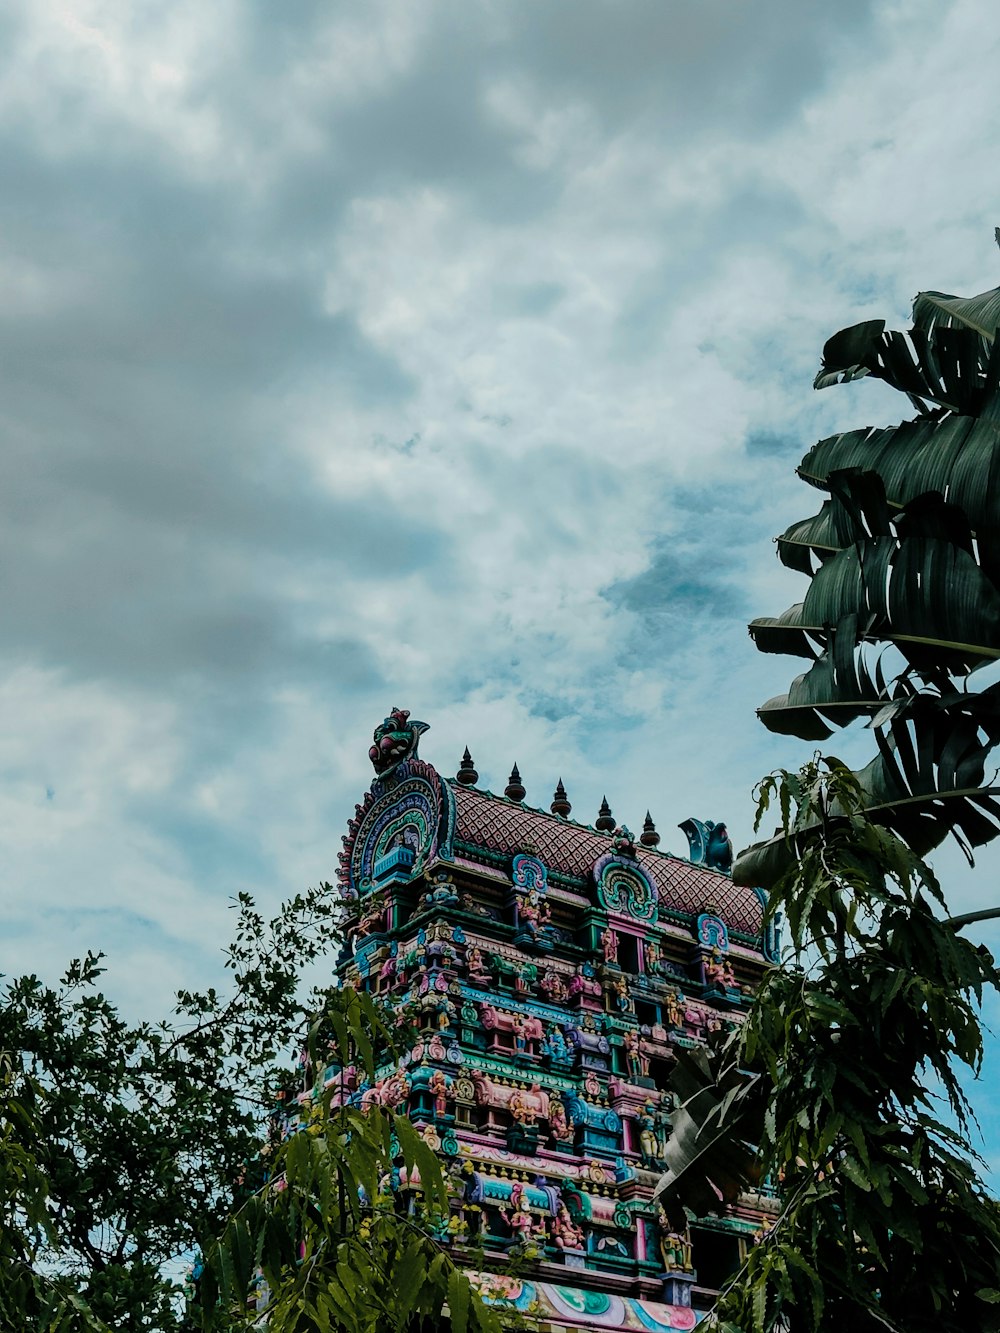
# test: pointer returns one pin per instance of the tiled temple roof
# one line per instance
(508, 827)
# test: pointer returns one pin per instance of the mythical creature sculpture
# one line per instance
(395, 739)
(709, 844)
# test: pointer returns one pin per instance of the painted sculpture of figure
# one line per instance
(533, 913)
(520, 1221)
(554, 1045)
(635, 1057)
(519, 1109)
(719, 970)
(648, 1145)
(444, 1011)
(672, 1010)
(654, 957)
(437, 1085)
(622, 998)
(609, 944)
(559, 1127)
(519, 1029)
(675, 1248)
(476, 964)
(566, 1235)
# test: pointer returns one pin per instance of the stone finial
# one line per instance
(649, 836)
(467, 774)
(514, 790)
(605, 820)
(560, 801)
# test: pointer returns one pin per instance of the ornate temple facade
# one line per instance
(543, 974)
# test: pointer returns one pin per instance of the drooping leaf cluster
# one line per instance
(903, 558)
(840, 1079)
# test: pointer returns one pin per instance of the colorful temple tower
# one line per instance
(544, 974)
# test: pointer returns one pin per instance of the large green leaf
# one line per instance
(981, 313)
(711, 1153)
(947, 365)
(837, 688)
(926, 781)
(957, 456)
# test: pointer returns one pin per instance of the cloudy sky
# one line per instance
(454, 355)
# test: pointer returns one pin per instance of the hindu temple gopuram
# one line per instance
(545, 973)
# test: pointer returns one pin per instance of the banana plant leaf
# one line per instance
(946, 365)
(925, 594)
(837, 688)
(711, 1153)
(788, 633)
(980, 313)
(926, 781)
(957, 456)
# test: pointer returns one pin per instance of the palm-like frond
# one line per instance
(904, 552)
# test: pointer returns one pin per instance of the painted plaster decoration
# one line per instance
(553, 987)
(652, 957)
(475, 964)
(649, 1144)
(609, 945)
(623, 842)
(395, 739)
(675, 1247)
(560, 1130)
(442, 891)
(635, 1055)
(624, 888)
(438, 1087)
(712, 932)
(719, 970)
(566, 1235)
(709, 844)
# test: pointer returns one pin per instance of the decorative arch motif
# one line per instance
(624, 887)
(410, 808)
(712, 932)
(528, 873)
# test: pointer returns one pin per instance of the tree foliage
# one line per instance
(848, 1059)
(903, 605)
(127, 1148)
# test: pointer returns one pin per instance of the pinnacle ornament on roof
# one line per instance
(467, 774)
(605, 820)
(514, 790)
(560, 801)
(649, 836)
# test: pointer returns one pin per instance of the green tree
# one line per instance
(832, 1087)
(149, 1132)
(127, 1148)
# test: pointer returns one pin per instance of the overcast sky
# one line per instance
(454, 356)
